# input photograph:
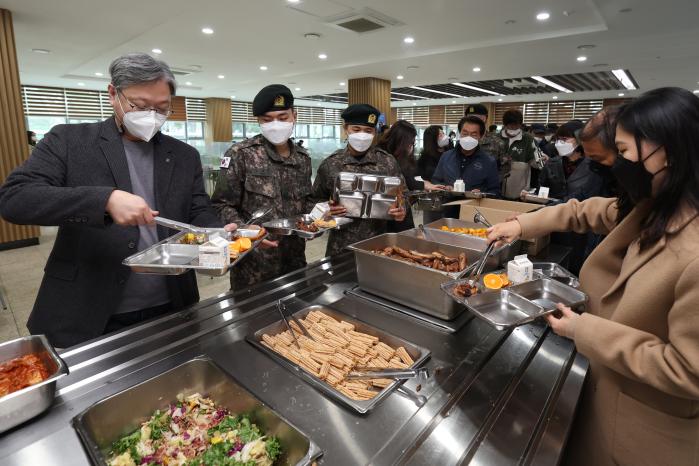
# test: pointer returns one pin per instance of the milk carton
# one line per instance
(520, 269)
(214, 253)
(320, 210)
(459, 186)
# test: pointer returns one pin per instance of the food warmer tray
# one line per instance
(412, 285)
(366, 195)
(518, 304)
(107, 420)
(170, 257)
(287, 226)
(558, 273)
(22, 405)
(417, 353)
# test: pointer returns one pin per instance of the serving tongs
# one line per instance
(363, 373)
(478, 217)
(282, 311)
(181, 226)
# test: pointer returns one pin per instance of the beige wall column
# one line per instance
(14, 148)
(372, 91)
(219, 125)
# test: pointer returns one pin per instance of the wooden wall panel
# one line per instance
(14, 148)
(372, 91)
(218, 119)
(179, 109)
(437, 114)
(615, 101)
(394, 114)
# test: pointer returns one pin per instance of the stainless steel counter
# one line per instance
(495, 397)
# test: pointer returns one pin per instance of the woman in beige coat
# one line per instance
(641, 328)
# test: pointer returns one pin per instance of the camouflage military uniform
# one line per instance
(374, 161)
(259, 178)
(496, 146)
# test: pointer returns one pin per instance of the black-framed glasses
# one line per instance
(136, 108)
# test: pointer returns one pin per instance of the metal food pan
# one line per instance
(120, 414)
(346, 181)
(22, 405)
(412, 285)
(496, 259)
(379, 205)
(546, 292)
(369, 183)
(556, 272)
(391, 186)
(170, 257)
(287, 226)
(504, 309)
(355, 202)
(417, 353)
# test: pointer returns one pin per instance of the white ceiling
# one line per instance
(656, 41)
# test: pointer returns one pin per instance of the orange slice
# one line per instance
(245, 244)
(505, 279)
(493, 281)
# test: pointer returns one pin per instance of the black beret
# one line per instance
(272, 98)
(476, 109)
(538, 128)
(361, 114)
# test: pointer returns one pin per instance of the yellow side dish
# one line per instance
(479, 232)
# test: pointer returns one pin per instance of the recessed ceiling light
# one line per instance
(624, 79)
(582, 58)
(543, 16)
(342, 84)
(453, 101)
(297, 88)
(263, 68)
(555, 97)
(696, 91)
(499, 100)
(414, 105)
(318, 105)
(293, 1)
(476, 69)
(44, 51)
(408, 40)
(322, 56)
(220, 76)
(99, 74)
(586, 46)
(207, 30)
(400, 76)
(232, 97)
(81, 84)
(552, 84)
(621, 94)
(312, 35)
(510, 21)
(157, 51)
(188, 83)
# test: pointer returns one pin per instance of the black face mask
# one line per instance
(634, 178)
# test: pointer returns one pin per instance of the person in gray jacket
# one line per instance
(102, 184)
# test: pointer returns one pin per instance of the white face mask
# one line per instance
(361, 142)
(564, 148)
(277, 132)
(143, 124)
(443, 140)
(548, 137)
(513, 133)
(468, 143)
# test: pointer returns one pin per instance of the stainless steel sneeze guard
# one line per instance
(106, 421)
(417, 353)
(24, 404)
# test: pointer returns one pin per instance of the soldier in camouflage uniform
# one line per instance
(357, 157)
(492, 143)
(267, 171)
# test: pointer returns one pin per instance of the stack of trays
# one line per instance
(518, 304)
(367, 196)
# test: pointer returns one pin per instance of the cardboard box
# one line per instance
(498, 211)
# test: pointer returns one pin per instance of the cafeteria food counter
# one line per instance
(494, 397)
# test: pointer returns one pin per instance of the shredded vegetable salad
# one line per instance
(195, 432)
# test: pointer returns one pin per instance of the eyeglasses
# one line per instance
(136, 108)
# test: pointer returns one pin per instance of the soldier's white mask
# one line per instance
(277, 132)
(361, 142)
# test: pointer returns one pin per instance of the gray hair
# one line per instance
(138, 68)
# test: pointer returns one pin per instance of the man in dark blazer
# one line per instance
(102, 184)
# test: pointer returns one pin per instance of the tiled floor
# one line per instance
(21, 271)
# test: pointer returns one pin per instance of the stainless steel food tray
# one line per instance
(170, 257)
(22, 405)
(120, 414)
(417, 353)
(498, 257)
(539, 200)
(287, 226)
(408, 284)
(367, 195)
(558, 273)
(518, 304)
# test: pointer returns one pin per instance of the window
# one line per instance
(329, 131)
(252, 129)
(176, 129)
(238, 131)
(315, 131)
(43, 124)
(301, 131)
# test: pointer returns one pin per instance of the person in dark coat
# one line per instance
(102, 184)
(434, 144)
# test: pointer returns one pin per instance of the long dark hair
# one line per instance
(398, 140)
(667, 117)
(430, 146)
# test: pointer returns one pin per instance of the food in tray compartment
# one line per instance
(194, 238)
(479, 232)
(495, 281)
(434, 260)
(19, 373)
(320, 223)
(316, 225)
(239, 246)
(195, 432)
(465, 290)
(336, 351)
